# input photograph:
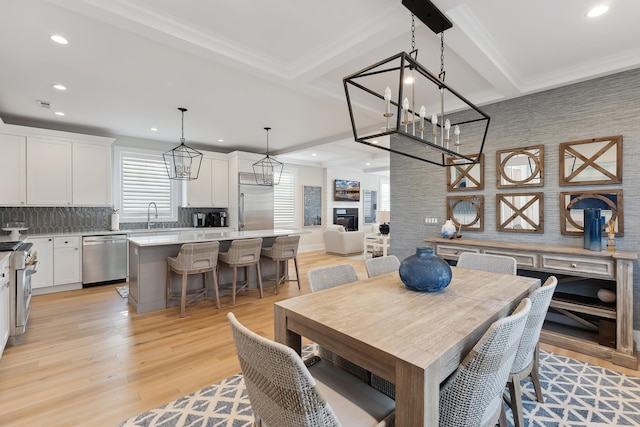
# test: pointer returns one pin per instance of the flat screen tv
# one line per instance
(346, 191)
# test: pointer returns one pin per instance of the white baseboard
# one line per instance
(311, 248)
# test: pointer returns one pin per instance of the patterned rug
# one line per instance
(123, 291)
(576, 394)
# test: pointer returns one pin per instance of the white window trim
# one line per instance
(296, 196)
(176, 188)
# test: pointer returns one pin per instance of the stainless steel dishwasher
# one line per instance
(104, 259)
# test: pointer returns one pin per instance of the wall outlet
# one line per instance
(431, 221)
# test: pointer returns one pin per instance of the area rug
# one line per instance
(123, 291)
(576, 394)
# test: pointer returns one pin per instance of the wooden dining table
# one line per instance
(413, 339)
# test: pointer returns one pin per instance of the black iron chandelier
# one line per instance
(392, 88)
(183, 162)
(268, 170)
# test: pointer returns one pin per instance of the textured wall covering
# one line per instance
(597, 108)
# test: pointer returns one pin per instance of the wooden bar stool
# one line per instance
(284, 248)
(194, 258)
(242, 253)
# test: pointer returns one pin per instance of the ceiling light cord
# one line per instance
(442, 73)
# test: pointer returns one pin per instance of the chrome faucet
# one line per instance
(149, 223)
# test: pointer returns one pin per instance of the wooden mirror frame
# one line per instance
(568, 224)
(465, 171)
(477, 201)
(535, 153)
(503, 224)
(573, 150)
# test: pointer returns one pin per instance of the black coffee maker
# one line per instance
(217, 219)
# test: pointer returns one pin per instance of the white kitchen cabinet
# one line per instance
(49, 172)
(67, 260)
(211, 189)
(43, 278)
(13, 173)
(5, 302)
(91, 174)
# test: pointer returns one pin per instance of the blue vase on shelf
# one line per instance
(593, 222)
(425, 271)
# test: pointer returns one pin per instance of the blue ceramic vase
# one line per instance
(425, 271)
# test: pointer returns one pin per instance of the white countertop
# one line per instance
(26, 236)
(206, 235)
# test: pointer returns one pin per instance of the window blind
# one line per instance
(284, 212)
(144, 180)
(385, 196)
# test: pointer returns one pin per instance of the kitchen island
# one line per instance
(148, 262)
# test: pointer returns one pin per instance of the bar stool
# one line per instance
(284, 248)
(242, 253)
(194, 258)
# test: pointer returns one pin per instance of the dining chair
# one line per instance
(193, 258)
(322, 278)
(526, 362)
(472, 395)
(381, 265)
(286, 391)
(487, 262)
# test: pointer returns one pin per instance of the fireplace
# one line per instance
(347, 217)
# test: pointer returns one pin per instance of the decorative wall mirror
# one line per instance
(573, 205)
(466, 212)
(312, 206)
(465, 176)
(520, 167)
(591, 161)
(520, 212)
(370, 205)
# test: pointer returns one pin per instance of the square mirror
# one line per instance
(370, 206)
(591, 161)
(573, 204)
(520, 212)
(462, 176)
(466, 212)
(520, 167)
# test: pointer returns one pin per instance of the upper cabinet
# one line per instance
(13, 173)
(51, 168)
(211, 189)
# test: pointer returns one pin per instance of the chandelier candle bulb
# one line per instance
(456, 132)
(423, 113)
(434, 122)
(405, 107)
(387, 98)
(447, 126)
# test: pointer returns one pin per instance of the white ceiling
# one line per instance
(239, 66)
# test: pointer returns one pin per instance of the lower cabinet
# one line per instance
(5, 302)
(60, 264)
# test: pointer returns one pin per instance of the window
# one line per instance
(284, 201)
(143, 180)
(385, 196)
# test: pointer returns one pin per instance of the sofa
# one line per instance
(338, 241)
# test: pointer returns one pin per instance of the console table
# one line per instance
(616, 266)
(374, 242)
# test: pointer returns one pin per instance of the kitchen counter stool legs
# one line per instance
(242, 253)
(194, 258)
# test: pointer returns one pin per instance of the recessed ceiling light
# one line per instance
(368, 164)
(59, 113)
(59, 86)
(313, 154)
(220, 140)
(59, 39)
(408, 80)
(153, 129)
(375, 141)
(597, 11)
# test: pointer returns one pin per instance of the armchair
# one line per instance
(341, 242)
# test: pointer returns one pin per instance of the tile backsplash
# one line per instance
(81, 219)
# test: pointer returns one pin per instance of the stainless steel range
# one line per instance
(23, 265)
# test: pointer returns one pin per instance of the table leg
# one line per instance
(282, 334)
(417, 395)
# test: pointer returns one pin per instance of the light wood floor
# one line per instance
(86, 359)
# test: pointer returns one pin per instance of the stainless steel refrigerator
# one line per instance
(255, 204)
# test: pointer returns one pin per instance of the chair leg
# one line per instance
(214, 279)
(516, 402)
(295, 262)
(535, 378)
(502, 421)
(233, 286)
(183, 297)
(277, 275)
(168, 287)
(259, 279)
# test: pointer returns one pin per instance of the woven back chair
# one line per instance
(526, 361)
(472, 396)
(381, 265)
(284, 392)
(486, 262)
(322, 278)
(283, 249)
(193, 258)
(243, 253)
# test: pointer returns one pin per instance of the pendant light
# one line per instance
(183, 162)
(268, 170)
